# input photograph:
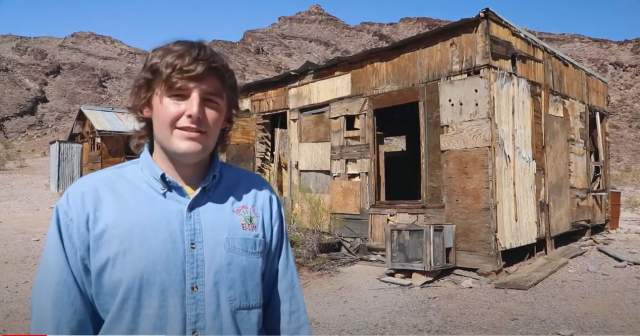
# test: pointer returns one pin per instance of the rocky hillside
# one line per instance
(43, 80)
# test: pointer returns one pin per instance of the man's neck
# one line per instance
(185, 174)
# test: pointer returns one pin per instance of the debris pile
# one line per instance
(521, 276)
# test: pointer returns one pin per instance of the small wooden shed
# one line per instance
(104, 133)
(478, 124)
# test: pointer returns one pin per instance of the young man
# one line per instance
(175, 242)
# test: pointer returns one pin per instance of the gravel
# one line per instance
(591, 295)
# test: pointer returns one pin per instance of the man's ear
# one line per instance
(146, 111)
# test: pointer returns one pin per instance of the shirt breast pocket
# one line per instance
(243, 276)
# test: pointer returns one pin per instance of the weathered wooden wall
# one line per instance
(465, 108)
(542, 67)
(113, 150)
(563, 98)
(487, 137)
(515, 168)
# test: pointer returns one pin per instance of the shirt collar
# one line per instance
(162, 181)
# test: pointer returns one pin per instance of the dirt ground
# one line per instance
(592, 295)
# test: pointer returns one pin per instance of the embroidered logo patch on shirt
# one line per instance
(248, 217)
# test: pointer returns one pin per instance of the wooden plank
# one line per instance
(314, 127)
(389, 72)
(320, 91)
(243, 131)
(271, 100)
(316, 182)
(397, 97)
(557, 158)
(450, 53)
(432, 168)
(532, 274)
(314, 156)
(515, 168)
(377, 227)
(581, 208)
(466, 135)
(337, 132)
(345, 197)
(578, 169)
(293, 153)
(348, 106)
(350, 152)
(478, 260)
(620, 256)
(505, 50)
(263, 145)
(467, 198)
(538, 133)
(464, 100)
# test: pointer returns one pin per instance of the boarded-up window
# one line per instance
(316, 182)
(314, 125)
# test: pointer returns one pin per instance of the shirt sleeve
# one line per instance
(60, 301)
(285, 312)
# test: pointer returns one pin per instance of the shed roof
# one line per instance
(107, 119)
(310, 67)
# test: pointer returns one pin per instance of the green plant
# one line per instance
(308, 219)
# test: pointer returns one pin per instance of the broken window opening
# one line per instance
(398, 152)
(594, 151)
(278, 150)
(350, 123)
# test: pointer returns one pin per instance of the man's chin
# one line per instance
(192, 152)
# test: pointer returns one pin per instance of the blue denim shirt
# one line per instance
(128, 252)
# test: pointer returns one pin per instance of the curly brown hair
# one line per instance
(167, 66)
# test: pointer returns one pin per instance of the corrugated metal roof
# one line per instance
(110, 119)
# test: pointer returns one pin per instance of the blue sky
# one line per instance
(148, 23)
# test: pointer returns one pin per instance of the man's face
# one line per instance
(187, 119)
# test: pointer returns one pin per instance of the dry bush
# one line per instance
(9, 154)
(308, 221)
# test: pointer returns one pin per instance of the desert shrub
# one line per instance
(9, 154)
(308, 218)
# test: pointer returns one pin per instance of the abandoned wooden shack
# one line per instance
(477, 124)
(104, 133)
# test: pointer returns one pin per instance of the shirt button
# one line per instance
(194, 288)
(193, 245)
(194, 333)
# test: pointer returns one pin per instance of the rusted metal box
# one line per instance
(420, 247)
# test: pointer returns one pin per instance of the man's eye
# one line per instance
(177, 96)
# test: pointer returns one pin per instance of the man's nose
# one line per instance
(195, 106)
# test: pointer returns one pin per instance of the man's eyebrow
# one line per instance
(214, 92)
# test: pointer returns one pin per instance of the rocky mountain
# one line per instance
(43, 80)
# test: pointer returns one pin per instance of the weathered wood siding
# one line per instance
(112, 150)
(465, 142)
(515, 168)
(537, 65)
(320, 91)
(349, 156)
(468, 176)
(267, 101)
(443, 55)
(556, 133)
(432, 166)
